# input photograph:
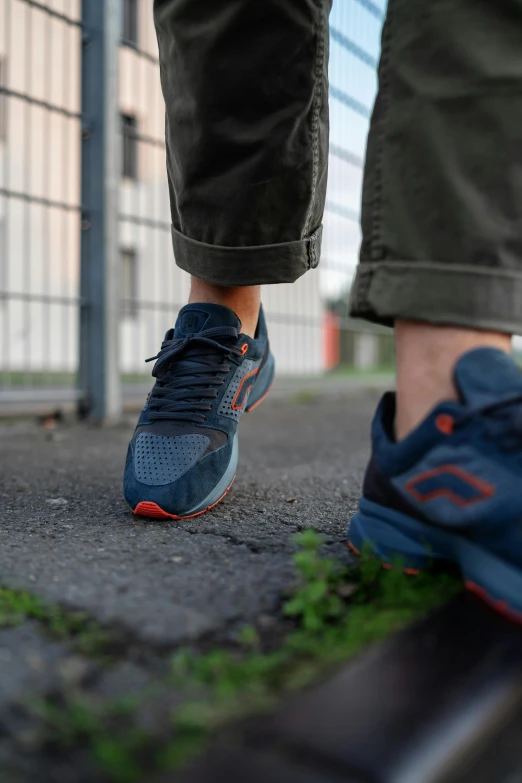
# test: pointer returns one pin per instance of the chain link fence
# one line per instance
(88, 284)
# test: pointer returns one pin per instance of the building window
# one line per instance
(129, 283)
(130, 22)
(129, 146)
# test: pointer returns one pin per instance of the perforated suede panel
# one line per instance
(159, 460)
(225, 407)
(171, 429)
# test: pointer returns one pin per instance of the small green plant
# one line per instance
(77, 628)
(248, 637)
(118, 747)
(16, 606)
(317, 601)
(335, 611)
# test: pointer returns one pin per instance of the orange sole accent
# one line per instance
(387, 566)
(148, 509)
(499, 606)
(260, 400)
(502, 607)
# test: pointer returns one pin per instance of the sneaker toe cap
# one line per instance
(174, 476)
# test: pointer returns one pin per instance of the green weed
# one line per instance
(77, 628)
(335, 612)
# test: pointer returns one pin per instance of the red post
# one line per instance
(331, 340)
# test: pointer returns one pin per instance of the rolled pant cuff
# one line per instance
(438, 293)
(257, 265)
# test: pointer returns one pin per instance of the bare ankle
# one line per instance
(245, 301)
(426, 357)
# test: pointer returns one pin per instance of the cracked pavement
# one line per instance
(68, 536)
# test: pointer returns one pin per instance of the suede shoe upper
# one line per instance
(184, 440)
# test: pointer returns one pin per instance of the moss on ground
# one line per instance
(334, 613)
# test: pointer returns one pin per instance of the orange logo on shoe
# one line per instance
(240, 399)
(449, 481)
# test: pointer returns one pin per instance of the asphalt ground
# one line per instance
(68, 536)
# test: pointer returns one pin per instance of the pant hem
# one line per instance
(256, 265)
(438, 293)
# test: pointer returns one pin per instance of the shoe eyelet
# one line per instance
(445, 423)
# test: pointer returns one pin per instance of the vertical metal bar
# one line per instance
(29, 209)
(99, 372)
(66, 127)
(5, 282)
(136, 184)
(46, 309)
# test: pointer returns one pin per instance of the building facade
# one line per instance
(40, 219)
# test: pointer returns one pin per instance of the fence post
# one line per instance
(99, 367)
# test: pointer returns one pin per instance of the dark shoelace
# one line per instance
(189, 372)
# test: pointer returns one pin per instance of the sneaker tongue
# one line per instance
(193, 318)
(485, 375)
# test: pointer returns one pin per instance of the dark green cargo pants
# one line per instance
(245, 83)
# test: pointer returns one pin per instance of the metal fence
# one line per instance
(88, 284)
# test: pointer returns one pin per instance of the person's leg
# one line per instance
(246, 92)
(442, 201)
(426, 357)
(441, 260)
(245, 301)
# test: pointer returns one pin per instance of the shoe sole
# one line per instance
(151, 510)
(419, 546)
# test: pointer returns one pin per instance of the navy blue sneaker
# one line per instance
(451, 490)
(183, 455)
